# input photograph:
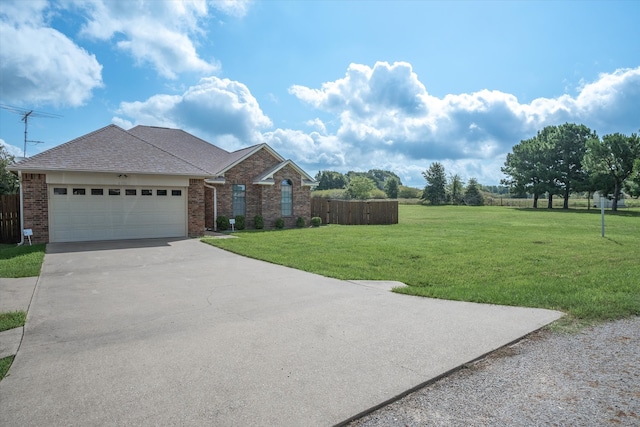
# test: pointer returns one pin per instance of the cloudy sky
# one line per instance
(337, 85)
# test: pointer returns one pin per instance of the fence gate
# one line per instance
(9, 218)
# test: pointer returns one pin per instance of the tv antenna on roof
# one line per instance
(26, 114)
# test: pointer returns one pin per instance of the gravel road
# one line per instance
(588, 378)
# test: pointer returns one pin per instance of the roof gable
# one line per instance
(267, 177)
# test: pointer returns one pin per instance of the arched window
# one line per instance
(286, 199)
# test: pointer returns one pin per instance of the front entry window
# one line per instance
(239, 204)
(286, 200)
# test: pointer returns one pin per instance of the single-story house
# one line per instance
(150, 182)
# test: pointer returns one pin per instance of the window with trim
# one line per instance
(239, 199)
(286, 199)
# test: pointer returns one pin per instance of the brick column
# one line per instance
(196, 208)
(35, 199)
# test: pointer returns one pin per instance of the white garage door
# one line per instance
(83, 213)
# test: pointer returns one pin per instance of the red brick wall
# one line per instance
(272, 196)
(35, 200)
(196, 208)
(261, 199)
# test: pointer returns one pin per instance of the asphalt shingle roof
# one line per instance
(142, 149)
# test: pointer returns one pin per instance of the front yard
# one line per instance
(533, 258)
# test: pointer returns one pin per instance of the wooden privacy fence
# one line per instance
(355, 212)
(9, 218)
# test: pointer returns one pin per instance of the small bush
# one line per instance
(258, 222)
(240, 222)
(300, 222)
(222, 222)
(316, 221)
(279, 223)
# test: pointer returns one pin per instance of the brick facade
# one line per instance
(196, 208)
(36, 206)
(261, 200)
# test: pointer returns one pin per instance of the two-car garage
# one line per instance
(85, 212)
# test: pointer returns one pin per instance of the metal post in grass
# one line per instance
(602, 212)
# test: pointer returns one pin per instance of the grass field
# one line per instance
(534, 258)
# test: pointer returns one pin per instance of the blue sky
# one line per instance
(332, 85)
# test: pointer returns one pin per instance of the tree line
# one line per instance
(570, 158)
(439, 190)
(361, 185)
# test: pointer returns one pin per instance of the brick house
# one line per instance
(154, 182)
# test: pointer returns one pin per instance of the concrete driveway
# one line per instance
(161, 332)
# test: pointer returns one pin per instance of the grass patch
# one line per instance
(21, 261)
(5, 364)
(12, 319)
(542, 258)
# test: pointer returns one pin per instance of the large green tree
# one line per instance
(435, 190)
(8, 181)
(527, 168)
(568, 143)
(632, 186)
(614, 156)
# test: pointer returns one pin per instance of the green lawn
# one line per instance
(12, 319)
(534, 258)
(21, 261)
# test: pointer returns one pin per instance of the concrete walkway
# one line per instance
(162, 332)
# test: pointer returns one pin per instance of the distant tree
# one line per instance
(455, 189)
(360, 187)
(8, 181)
(391, 188)
(435, 190)
(472, 194)
(328, 180)
(405, 192)
(378, 176)
(613, 155)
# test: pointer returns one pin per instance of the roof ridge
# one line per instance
(168, 152)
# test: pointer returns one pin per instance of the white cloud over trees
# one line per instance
(386, 112)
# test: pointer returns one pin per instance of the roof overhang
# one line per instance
(215, 180)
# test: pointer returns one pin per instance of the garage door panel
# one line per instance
(77, 217)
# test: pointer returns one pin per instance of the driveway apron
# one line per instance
(177, 332)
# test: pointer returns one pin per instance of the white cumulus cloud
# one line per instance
(222, 109)
(387, 117)
(38, 64)
(163, 34)
(11, 149)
